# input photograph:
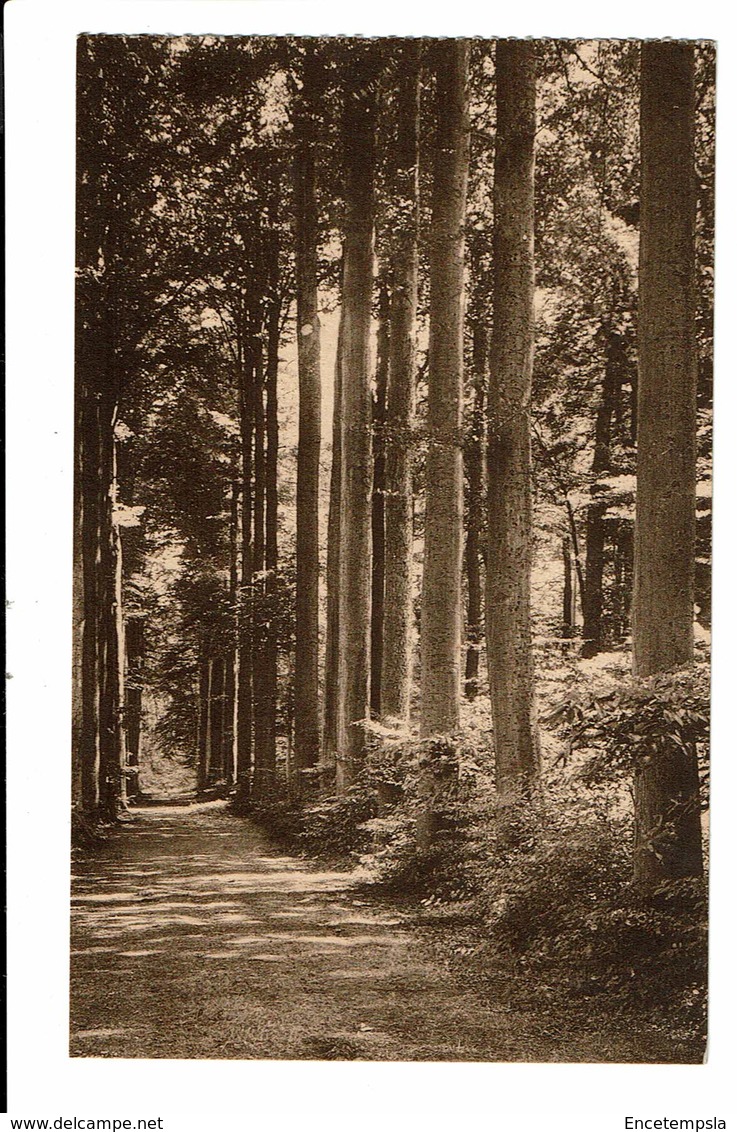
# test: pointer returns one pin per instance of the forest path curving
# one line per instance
(191, 938)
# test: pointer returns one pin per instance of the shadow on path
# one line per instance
(191, 939)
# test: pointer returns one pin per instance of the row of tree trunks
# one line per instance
(250, 679)
(213, 736)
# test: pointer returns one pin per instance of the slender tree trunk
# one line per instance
(231, 661)
(91, 505)
(378, 497)
(271, 563)
(306, 676)
(396, 669)
(262, 772)
(218, 717)
(440, 636)
(135, 644)
(354, 653)
(667, 813)
(569, 610)
(203, 737)
(112, 740)
(78, 616)
(118, 661)
(441, 587)
(474, 460)
(332, 634)
(509, 554)
(593, 594)
(245, 704)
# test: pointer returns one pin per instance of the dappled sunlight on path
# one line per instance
(192, 938)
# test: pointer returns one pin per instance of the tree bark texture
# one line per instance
(354, 653)
(509, 554)
(332, 624)
(569, 608)
(203, 725)
(666, 411)
(668, 834)
(307, 737)
(266, 754)
(91, 505)
(231, 661)
(396, 669)
(263, 772)
(474, 461)
(245, 615)
(441, 586)
(378, 497)
(596, 530)
(134, 646)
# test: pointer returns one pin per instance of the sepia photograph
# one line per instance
(391, 615)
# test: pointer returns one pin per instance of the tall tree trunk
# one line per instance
(569, 608)
(91, 507)
(112, 742)
(440, 637)
(474, 460)
(231, 662)
(667, 825)
(378, 497)
(118, 664)
(509, 555)
(441, 586)
(271, 563)
(396, 669)
(332, 625)
(245, 668)
(217, 715)
(77, 616)
(354, 653)
(593, 595)
(306, 674)
(134, 645)
(203, 730)
(262, 772)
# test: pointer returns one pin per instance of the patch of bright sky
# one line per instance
(274, 114)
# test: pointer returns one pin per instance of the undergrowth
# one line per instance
(543, 896)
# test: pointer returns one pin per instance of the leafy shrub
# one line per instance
(336, 827)
(560, 906)
(282, 818)
(622, 725)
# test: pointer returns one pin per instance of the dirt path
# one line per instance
(190, 938)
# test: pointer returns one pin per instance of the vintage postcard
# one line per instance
(389, 534)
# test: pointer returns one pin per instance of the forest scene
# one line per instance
(392, 548)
